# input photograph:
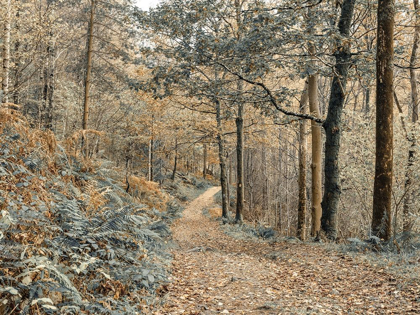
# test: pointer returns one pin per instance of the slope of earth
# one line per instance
(72, 240)
(213, 273)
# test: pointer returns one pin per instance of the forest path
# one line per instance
(214, 273)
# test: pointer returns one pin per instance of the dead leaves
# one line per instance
(247, 277)
(115, 288)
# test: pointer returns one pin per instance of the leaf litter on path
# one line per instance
(213, 273)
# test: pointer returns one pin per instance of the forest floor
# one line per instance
(213, 273)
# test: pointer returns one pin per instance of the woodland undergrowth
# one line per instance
(72, 240)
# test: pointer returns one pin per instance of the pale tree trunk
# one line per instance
(333, 125)
(382, 192)
(6, 53)
(303, 147)
(88, 78)
(228, 178)
(316, 151)
(150, 161)
(280, 180)
(367, 100)
(286, 184)
(367, 91)
(17, 61)
(407, 222)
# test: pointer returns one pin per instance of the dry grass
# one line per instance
(72, 144)
(147, 192)
(215, 212)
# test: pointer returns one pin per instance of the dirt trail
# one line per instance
(216, 274)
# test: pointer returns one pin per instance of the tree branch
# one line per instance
(272, 98)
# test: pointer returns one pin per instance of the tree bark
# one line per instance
(367, 101)
(316, 210)
(303, 147)
(48, 93)
(88, 78)
(17, 62)
(204, 160)
(333, 125)
(175, 160)
(239, 131)
(382, 192)
(222, 160)
(240, 164)
(150, 161)
(6, 53)
(407, 222)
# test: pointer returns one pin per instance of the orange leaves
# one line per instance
(147, 192)
(113, 288)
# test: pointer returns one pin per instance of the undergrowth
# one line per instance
(72, 241)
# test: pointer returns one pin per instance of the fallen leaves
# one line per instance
(251, 277)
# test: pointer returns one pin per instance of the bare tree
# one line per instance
(88, 76)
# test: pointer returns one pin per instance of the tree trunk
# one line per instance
(88, 77)
(48, 93)
(228, 182)
(382, 192)
(301, 228)
(175, 160)
(222, 160)
(150, 162)
(6, 53)
(333, 125)
(239, 130)
(367, 101)
(240, 164)
(17, 62)
(316, 151)
(204, 160)
(51, 86)
(407, 222)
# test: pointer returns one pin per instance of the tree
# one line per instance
(301, 227)
(6, 53)
(382, 194)
(333, 123)
(240, 192)
(89, 48)
(316, 164)
(407, 222)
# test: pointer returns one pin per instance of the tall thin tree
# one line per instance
(6, 53)
(407, 222)
(316, 164)
(382, 191)
(303, 147)
(88, 77)
(240, 192)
